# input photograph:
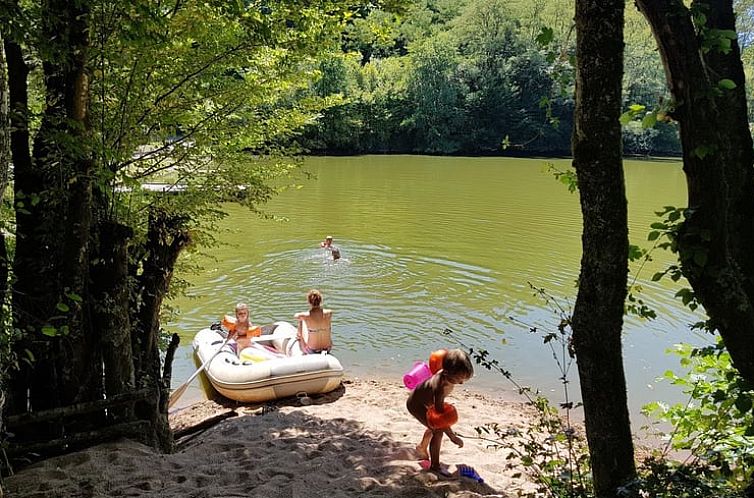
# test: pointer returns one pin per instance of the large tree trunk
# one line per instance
(53, 216)
(167, 236)
(598, 313)
(72, 268)
(4, 168)
(716, 239)
(4, 174)
(30, 260)
(67, 96)
(110, 292)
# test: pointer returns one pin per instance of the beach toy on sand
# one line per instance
(418, 374)
(435, 360)
(470, 472)
(444, 419)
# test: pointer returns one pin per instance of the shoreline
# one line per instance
(357, 440)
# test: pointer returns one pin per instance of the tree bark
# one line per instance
(166, 237)
(67, 97)
(598, 313)
(110, 291)
(29, 291)
(5, 161)
(715, 240)
(53, 217)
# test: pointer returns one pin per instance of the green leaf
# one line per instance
(545, 37)
(73, 297)
(649, 120)
(49, 331)
(634, 252)
(726, 84)
(625, 118)
(63, 307)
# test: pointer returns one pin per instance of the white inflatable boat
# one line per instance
(266, 375)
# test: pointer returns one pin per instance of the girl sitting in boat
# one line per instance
(240, 327)
(314, 333)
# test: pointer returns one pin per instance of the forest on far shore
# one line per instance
(478, 77)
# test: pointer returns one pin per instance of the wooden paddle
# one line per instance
(178, 391)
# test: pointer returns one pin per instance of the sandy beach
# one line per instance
(358, 440)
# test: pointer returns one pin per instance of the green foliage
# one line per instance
(663, 478)
(566, 177)
(436, 95)
(207, 97)
(717, 424)
(468, 84)
(506, 82)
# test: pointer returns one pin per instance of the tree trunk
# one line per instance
(716, 238)
(598, 313)
(29, 291)
(110, 292)
(67, 96)
(166, 237)
(53, 216)
(4, 170)
(72, 268)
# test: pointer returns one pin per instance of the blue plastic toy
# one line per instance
(470, 472)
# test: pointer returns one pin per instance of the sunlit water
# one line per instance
(430, 243)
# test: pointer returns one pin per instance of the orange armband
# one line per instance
(436, 359)
(229, 322)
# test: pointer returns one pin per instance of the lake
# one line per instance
(430, 243)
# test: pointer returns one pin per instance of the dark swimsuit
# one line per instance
(308, 350)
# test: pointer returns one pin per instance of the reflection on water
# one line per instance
(430, 243)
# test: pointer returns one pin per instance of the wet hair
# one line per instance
(456, 362)
(314, 297)
(242, 306)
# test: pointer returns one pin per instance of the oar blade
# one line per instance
(176, 394)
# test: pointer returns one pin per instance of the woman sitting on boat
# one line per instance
(314, 334)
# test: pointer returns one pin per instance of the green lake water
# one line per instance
(429, 243)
